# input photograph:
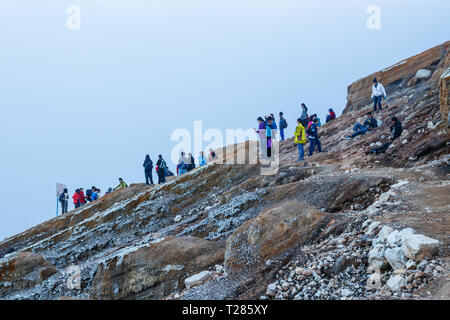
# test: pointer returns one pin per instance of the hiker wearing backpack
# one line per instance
(148, 167)
(300, 139)
(304, 115)
(64, 200)
(370, 124)
(161, 169)
(283, 125)
(212, 154)
(313, 137)
(330, 116)
(183, 164)
(95, 193)
(191, 162)
(262, 137)
(396, 130)
(378, 93)
(89, 194)
(121, 184)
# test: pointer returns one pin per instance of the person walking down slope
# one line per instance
(378, 93)
(161, 169)
(121, 184)
(370, 124)
(330, 116)
(313, 137)
(64, 200)
(396, 130)
(148, 167)
(201, 159)
(283, 125)
(300, 139)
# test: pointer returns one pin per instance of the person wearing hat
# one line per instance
(378, 93)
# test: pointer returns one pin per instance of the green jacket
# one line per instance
(121, 185)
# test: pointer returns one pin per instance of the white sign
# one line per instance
(59, 188)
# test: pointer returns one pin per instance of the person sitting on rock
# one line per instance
(370, 124)
(330, 116)
(378, 93)
(396, 130)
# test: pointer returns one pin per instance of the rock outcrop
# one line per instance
(311, 230)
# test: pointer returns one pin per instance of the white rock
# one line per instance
(423, 74)
(378, 144)
(177, 218)
(374, 281)
(197, 279)
(405, 233)
(418, 247)
(396, 258)
(384, 233)
(377, 260)
(372, 227)
(299, 270)
(404, 141)
(393, 239)
(411, 265)
(396, 282)
(346, 292)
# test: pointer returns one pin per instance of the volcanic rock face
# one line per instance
(312, 230)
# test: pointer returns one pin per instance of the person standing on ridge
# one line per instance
(262, 137)
(201, 159)
(162, 166)
(76, 200)
(121, 184)
(304, 115)
(81, 197)
(378, 93)
(313, 137)
(148, 167)
(283, 125)
(191, 162)
(300, 139)
(64, 199)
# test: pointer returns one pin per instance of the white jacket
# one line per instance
(378, 90)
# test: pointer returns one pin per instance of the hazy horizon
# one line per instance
(83, 107)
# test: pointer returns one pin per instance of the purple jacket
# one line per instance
(262, 130)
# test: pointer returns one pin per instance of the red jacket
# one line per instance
(82, 197)
(75, 198)
(333, 115)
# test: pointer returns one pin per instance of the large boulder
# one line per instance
(396, 258)
(156, 270)
(377, 260)
(419, 247)
(275, 232)
(25, 270)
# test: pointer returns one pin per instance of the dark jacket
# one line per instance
(148, 165)
(371, 123)
(396, 130)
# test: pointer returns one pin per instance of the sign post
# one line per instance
(59, 189)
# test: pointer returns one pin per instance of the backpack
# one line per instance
(61, 197)
(283, 124)
(162, 165)
(88, 193)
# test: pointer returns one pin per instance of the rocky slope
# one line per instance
(344, 224)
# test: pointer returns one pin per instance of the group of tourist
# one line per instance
(306, 130)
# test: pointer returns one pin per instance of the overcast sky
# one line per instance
(83, 107)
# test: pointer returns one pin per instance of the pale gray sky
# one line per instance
(83, 107)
